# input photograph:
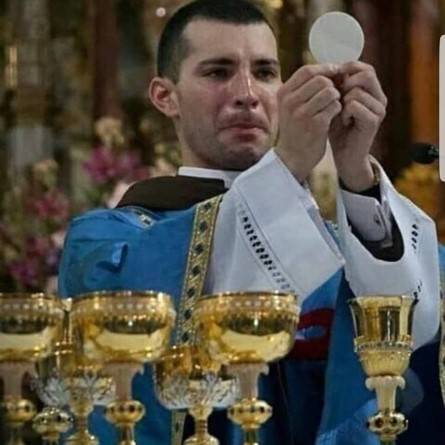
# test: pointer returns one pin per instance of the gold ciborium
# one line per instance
(384, 344)
(187, 378)
(245, 331)
(123, 330)
(30, 325)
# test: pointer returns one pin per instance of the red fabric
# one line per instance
(316, 348)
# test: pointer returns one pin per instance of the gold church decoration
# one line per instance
(187, 378)
(245, 331)
(121, 331)
(383, 342)
(30, 325)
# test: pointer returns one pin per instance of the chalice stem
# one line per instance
(15, 437)
(126, 435)
(251, 436)
(82, 424)
(201, 427)
(201, 415)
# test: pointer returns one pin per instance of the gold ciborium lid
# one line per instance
(30, 325)
(185, 376)
(247, 327)
(383, 327)
(122, 326)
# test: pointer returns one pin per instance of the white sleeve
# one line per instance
(265, 237)
(370, 218)
(415, 273)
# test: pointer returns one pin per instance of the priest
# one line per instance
(240, 216)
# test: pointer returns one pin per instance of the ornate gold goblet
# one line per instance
(187, 378)
(50, 388)
(247, 330)
(123, 330)
(384, 345)
(65, 380)
(30, 324)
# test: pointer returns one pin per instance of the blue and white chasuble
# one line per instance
(317, 392)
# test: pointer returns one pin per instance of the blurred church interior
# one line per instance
(77, 128)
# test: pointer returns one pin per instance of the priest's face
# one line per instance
(226, 101)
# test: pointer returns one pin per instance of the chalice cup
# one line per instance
(245, 331)
(186, 377)
(123, 330)
(383, 342)
(30, 325)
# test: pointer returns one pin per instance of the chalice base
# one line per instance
(82, 439)
(205, 439)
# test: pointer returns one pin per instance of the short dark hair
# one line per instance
(173, 46)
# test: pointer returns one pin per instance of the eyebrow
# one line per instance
(226, 61)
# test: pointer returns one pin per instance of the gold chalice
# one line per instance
(30, 325)
(245, 331)
(384, 345)
(50, 387)
(66, 381)
(187, 378)
(123, 330)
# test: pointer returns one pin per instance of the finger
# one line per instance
(321, 100)
(356, 111)
(366, 99)
(308, 72)
(325, 116)
(355, 67)
(366, 80)
(311, 88)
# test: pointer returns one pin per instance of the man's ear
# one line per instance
(162, 93)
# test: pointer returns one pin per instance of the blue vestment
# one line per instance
(135, 249)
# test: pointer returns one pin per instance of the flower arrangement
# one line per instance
(36, 212)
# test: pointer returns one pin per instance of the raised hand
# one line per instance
(353, 131)
(307, 104)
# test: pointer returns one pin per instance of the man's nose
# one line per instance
(245, 91)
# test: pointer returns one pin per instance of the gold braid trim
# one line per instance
(196, 271)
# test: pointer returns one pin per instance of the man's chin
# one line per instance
(242, 158)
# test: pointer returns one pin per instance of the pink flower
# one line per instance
(106, 165)
(101, 165)
(52, 206)
(25, 271)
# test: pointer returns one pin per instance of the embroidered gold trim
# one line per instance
(197, 263)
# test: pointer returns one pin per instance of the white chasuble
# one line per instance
(268, 238)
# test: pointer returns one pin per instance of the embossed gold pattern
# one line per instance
(122, 330)
(383, 342)
(30, 325)
(245, 330)
(187, 378)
